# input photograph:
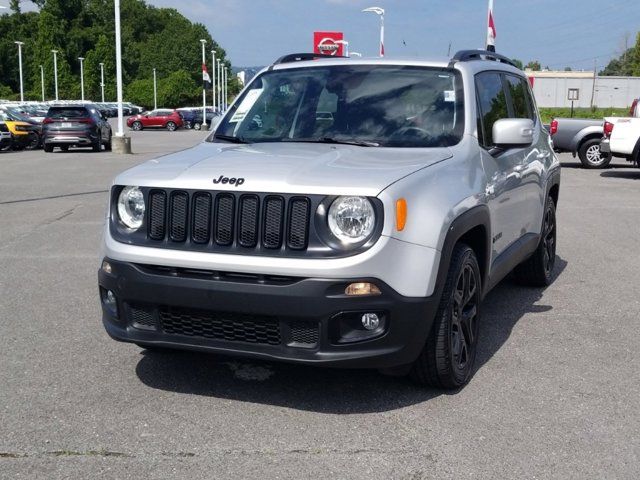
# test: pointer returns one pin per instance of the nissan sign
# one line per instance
(326, 43)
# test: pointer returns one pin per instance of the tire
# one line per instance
(108, 146)
(448, 357)
(97, 146)
(590, 156)
(537, 270)
(64, 148)
(34, 141)
(48, 148)
(137, 126)
(197, 126)
(170, 126)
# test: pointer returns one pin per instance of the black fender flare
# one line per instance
(464, 223)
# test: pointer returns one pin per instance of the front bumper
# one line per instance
(302, 320)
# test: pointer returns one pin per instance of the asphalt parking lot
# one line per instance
(555, 395)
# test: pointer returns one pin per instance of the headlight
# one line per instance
(351, 219)
(131, 207)
(20, 128)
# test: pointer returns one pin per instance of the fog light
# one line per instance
(110, 302)
(370, 321)
(362, 288)
(106, 266)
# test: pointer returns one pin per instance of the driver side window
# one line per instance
(492, 104)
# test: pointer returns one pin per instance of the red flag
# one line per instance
(205, 74)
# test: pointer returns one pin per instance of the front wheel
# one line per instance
(537, 271)
(34, 141)
(591, 156)
(448, 357)
(197, 126)
(137, 126)
(171, 126)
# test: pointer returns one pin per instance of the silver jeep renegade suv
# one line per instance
(344, 212)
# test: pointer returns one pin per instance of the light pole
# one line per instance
(219, 84)
(380, 12)
(204, 85)
(155, 90)
(55, 71)
(346, 46)
(81, 78)
(356, 54)
(226, 92)
(102, 80)
(213, 78)
(122, 144)
(42, 80)
(20, 64)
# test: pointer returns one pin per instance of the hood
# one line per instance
(305, 168)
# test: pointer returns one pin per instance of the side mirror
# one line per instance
(513, 132)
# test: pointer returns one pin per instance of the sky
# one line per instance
(558, 33)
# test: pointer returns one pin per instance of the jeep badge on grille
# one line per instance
(231, 181)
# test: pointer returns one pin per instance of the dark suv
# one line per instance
(75, 126)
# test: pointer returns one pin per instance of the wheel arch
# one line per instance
(584, 135)
(473, 228)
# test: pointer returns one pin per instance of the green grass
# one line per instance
(599, 113)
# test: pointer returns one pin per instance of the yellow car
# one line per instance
(24, 134)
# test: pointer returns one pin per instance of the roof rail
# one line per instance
(469, 55)
(300, 57)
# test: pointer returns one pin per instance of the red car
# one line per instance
(160, 118)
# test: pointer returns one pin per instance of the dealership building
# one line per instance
(557, 89)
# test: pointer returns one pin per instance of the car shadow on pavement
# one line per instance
(326, 390)
(626, 174)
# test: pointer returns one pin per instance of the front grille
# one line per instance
(143, 317)
(3, 127)
(231, 327)
(219, 220)
(305, 333)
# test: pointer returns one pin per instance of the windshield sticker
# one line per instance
(249, 100)
(449, 95)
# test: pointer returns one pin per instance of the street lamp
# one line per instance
(380, 12)
(219, 84)
(102, 80)
(155, 90)
(226, 93)
(42, 80)
(20, 64)
(356, 54)
(204, 89)
(346, 46)
(121, 143)
(213, 78)
(81, 78)
(55, 70)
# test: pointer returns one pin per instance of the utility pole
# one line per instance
(593, 90)
(204, 86)
(102, 80)
(20, 63)
(81, 78)
(42, 80)
(155, 90)
(55, 70)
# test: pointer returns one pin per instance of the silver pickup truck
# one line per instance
(581, 137)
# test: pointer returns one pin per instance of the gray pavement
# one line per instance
(555, 395)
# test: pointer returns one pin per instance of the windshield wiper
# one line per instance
(358, 143)
(230, 138)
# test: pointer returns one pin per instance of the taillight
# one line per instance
(84, 120)
(608, 129)
(47, 121)
(553, 129)
(632, 111)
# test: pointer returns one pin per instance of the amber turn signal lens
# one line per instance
(362, 288)
(401, 214)
(106, 266)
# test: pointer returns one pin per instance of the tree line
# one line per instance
(159, 38)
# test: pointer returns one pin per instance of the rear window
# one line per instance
(68, 112)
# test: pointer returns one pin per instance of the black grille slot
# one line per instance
(231, 327)
(157, 214)
(305, 333)
(201, 223)
(3, 127)
(248, 224)
(142, 318)
(297, 235)
(225, 212)
(179, 212)
(273, 220)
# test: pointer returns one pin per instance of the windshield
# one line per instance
(383, 105)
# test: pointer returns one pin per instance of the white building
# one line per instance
(555, 89)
